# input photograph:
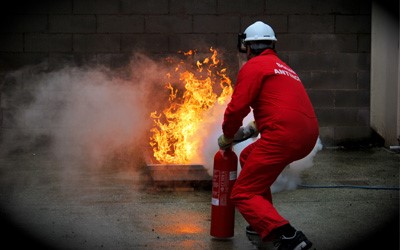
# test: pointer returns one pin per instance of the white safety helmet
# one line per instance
(257, 32)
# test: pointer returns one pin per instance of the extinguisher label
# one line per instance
(221, 187)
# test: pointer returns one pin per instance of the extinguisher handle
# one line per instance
(236, 141)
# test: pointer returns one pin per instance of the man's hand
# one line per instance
(246, 132)
(251, 129)
(224, 142)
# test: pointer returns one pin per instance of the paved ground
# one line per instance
(113, 206)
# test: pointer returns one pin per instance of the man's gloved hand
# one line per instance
(224, 142)
(246, 132)
(251, 129)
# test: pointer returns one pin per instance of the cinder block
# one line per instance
(364, 79)
(353, 24)
(113, 60)
(149, 43)
(332, 43)
(192, 41)
(364, 43)
(23, 23)
(168, 24)
(337, 7)
(288, 7)
(351, 134)
(310, 61)
(317, 7)
(293, 42)
(120, 24)
(317, 42)
(37, 7)
(90, 43)
(13, 61)
(72, 23)
(311, 24)
(215, 24)
(352, 98)
(329, 61)
(227, 41)
(148, 7)
(337, 116)
(77, 58)
(333, 80)
(60, 7)
(364, 116)
(11, 43)
(279, 23)
(193, 7)
(323, 115)
(242, 7)
(366, 7)
(48, 42)
(96, 7)
(352, 61)
(322, 98)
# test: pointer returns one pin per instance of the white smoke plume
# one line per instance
(83, 114)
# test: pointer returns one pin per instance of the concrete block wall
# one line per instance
(326, 42)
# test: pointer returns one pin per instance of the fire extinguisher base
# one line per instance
(222, 238)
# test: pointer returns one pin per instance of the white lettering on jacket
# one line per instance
(286, 71)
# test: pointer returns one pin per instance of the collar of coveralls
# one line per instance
(268, 52)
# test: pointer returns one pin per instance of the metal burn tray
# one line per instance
(179, 176)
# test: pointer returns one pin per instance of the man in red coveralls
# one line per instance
(285, 119)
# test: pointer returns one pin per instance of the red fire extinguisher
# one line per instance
(222, 209)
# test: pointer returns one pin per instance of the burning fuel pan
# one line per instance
(179, 177)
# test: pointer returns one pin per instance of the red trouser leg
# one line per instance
(261, 165)
(243, 158)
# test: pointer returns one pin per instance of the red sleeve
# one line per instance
(246, 90)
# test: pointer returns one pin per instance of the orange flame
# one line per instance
(174, 135)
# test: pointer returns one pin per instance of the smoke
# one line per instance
(211, 130)
(85, 115)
